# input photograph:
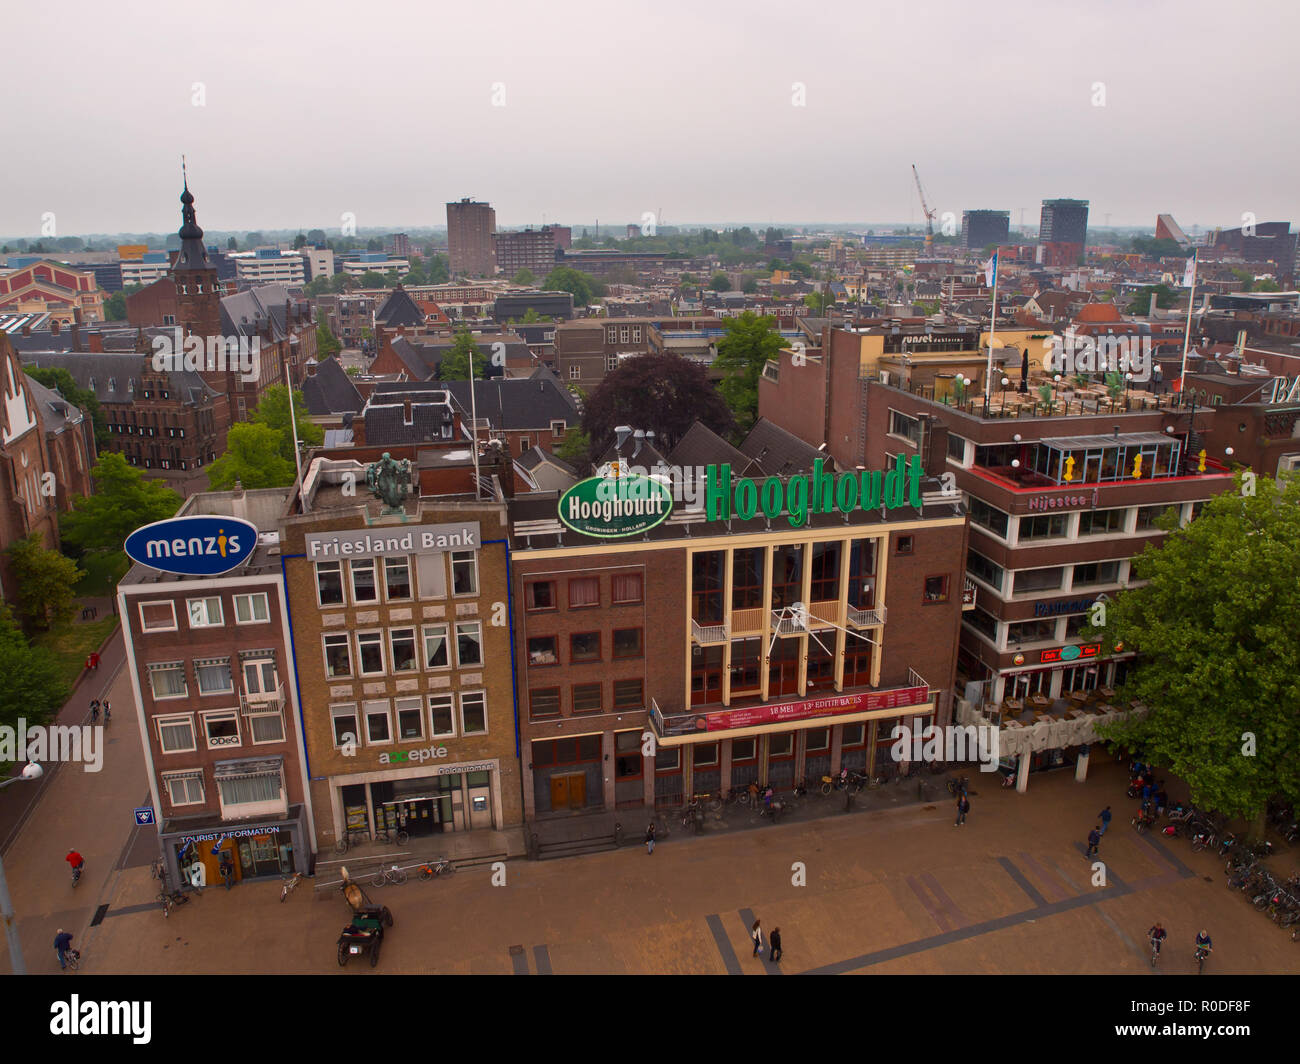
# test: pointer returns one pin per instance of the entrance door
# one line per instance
(568, 791)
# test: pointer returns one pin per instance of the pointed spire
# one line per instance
(193, 255)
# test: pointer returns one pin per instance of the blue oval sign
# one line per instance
(193, 546)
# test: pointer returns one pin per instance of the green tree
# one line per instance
(1140, 302)
(273, 412)
(816, 302)
(61, 381)
(34, 687)
(342, 282)
(438, 269)
(1219, 661)
(232, 244)
(566, 279)
(317, 238)
(327, 344)
(687, 278)
(524, 277)
(719, 282)
(253, 457)
(1152, 248)
(252, 240)
(45, 579)
(115, 307)
(372, 279)
(455, 363)
(665, 393)
(123, 501)
(575, 449)
(750, 343)
(300, 242)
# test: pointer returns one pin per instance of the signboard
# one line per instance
(836, 705)
(144, 816)
(419, 539)
(217, 836)
(1050, 609)
(614, 507)
(1060, 502)
(193, 546)
(1070, 653)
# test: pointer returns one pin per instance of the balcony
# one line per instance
(262, 701)
(867, 618)
(708, 634)
(789, 622)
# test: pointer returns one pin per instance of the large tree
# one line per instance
(1217, 625)
(34, 687)
(123, 501)
(455, 363)
(273, 412)
(751, 341)
(665, 393)
(327, 344)
(566, 279)
(45, 579)
(253, 458)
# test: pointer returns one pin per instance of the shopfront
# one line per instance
(418, 801)
(194, 853)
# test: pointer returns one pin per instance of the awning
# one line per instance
(211, 661)
(238, 770)
(269, 652)
(191, 774)
(165, 665)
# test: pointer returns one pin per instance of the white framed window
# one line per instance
(469, 644)
(251, 790)
(397, 579)
(364, 588)
(221, 729)
(176, 734)
(435, 647)
(266, 727)
(410, 718)
(205, 612)
(338, 654)
(441, 716)
(184, 788)
(431, 570)
(558, 429)
(401, 644)
(252, 609)
(611, 334)
(370, 653)
(611, 363)
(329, 583)
(525, 442)
(343, 720)
(214, 676)
(379, 723)
(261, 681)
(167, 680)
(473, 713)
(158, 616)
(575, 371)
(464, 572)
(636, 334)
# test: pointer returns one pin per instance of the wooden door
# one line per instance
(577, 791)
(559, 792)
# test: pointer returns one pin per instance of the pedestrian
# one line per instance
(227, 870)
(94, 710)
(108, 711)
(756, 933)
(650, 838)
(963, 807)
(1104, 816)
(1094, 840)
(1162, 799)
(1148, 792)
(776, 945)
(62, 945)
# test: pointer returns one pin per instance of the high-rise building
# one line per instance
(401, 246)
(1064, 221)
(470, 227)
(979, 229)
(528, 249)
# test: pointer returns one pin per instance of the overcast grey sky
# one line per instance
(614, 109)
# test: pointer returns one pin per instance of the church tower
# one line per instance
(198, 296)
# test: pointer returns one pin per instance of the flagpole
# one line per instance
(993, 328)
(1187, 335)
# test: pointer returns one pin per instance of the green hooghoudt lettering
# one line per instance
(820, 493)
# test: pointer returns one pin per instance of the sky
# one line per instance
(292, 114)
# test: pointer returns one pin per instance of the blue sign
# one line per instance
(193, 546)
(144, 816)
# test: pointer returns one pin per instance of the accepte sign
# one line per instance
(421, 539)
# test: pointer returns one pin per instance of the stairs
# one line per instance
(547, 851)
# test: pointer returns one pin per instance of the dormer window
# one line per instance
(112, 384)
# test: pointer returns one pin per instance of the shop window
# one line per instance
(214, 676)
(583, 647)
(344, 722)
(370, 653)
(185, 789)
(363, 581)
(586, 698)
(410, 718)
(706, 755)
(435, 646)
(252, 609)
(397, 579)
(473, 713)
(221, 729)
(464, 572)
(818, 739)
(469, 644)
(629, 694)
(379, 725)
(402, 645)
(167, 680)
(936, 589)
(205, 612)
(854, 735)
(158, 616)
(543, 702)
(175, 734)
(539, 595)
(628, 761)
(781, 744)
(338, 655)
(441, 717)
(584, 592)
(743, 750)
(668, 759)
(627, 589)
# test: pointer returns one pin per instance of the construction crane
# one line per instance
(929, 214)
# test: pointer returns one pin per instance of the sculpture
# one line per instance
(390, 481)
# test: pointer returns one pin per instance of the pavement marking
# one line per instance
(747, 921)
(1145, 956)
(126, 910)
(1061, 872)
(949, 905)
(936, 914)
(543, 960)
(1050, 882)
(723, 943)
(1021, 881)
(1168, 855)
(98, 918)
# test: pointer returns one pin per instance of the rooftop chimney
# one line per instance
(54, 327)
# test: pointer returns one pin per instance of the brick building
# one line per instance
(470, 227)
(65, 293)
(527, 249)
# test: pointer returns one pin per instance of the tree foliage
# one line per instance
(1217, 626)
(123, 501)
(1140, 302)
(327, 344)
(454, 365)
(253, 457)
(273, 412)
(665, 393)
(575, 449)
(566, 279)
(34, 687)
(62, 382)
(751, 341)
(524, 277)
(45, 580)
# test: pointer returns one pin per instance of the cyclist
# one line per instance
(77, 862)
(94, 710)
(108, 711)
(62, 947)
(1203, 942)
(92, 662)
(1157, 935)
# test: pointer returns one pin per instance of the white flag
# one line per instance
(991, 270)
(1189, 274)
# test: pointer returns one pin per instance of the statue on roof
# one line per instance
(390, 481)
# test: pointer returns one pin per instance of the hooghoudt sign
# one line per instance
(864, 702)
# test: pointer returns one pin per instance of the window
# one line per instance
(557, 429)
(250, 790)
(525, 443)
(854, 734)
(440, 715)
(542, 650)
(379, 725)
(432, 571)
(370, 653)
(575, 372)
(981, 568)
(397, 578)
(464, 572)
(252, 609)
(819, 739)
(1042, 526)
(158, 616)
(627, 643)
(329, 583)
(266, 727)
(185, 789)
(627, 588)
(584, 646)
(982, 621)
(1038, 579)
(175, 734)
(902, 425)
(747, 578)
(435, 646)
(611, 363)
(781, 744)
(363, 581)
(338, 655)
(706, 755)
(611, 334)
(221, 729)
(1039, 631)
(168, 680)
(214, 676)
(401, 643)
(667, 760)
(936, 589)
(956, 447)
(629, 694)
(539, 596)
(989, 517)
(469, 644)
(1075, 625)
(410, 717)
(825, 584)
(1101, 522)
(473, 713)
(543, 702)
(743, 750)
(1096, 573)
(627, 755)
(1147, 516)
(584, 591)
(586, 698)
(205, 612)
(903, 545)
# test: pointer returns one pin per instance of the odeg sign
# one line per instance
(193, 546)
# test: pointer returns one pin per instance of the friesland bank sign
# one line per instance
(395, 540)
(198, 545)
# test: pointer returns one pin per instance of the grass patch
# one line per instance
(103, 571)
(73, 642)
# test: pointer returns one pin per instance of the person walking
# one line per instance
(1104, 816)
(775, 938)
(1094, 840)
(1162, 799)
(756, 933)
(108, 711)
(62, 947)
(963, 807)
(650, 838)
(94, 710)
(227, 870)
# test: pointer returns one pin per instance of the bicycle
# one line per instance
(72, 957)
(439, 866)
(961, 785)
(1201, 953)
(711, 803)
(76, 873)
(1155, 950)
(345, 840)
(398, 836)
(157, 870)
(394, 875)
(288, 885)
(169, 899)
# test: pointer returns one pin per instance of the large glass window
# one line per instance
(1036, 631)
(435, 646)
(440, 715)
(464, 572)
(981, 568)
(989, 517)
(706, 587)
(1096, 573)
(1043, 526)
(473, 713)
(397, 578)
(747, 578)
(787, 575)
(1148, 515)
(1038, 579)
(363, 581)
(469, 644)
(746, 666)
(338, 656)
(825, 572)
(1101, 522)
(862, 574)
(902, 425)
(370, 651)
(402, 645)
(982, 621)
(706, 675)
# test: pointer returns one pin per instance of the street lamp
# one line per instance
(29, 774)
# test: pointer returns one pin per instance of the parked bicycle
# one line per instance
(394, 875)
(169, 899)
(73, 958)
(439, 866)
(289, 883)
(961, 785)
(346, 841)
(393, 836)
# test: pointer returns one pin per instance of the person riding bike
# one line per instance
(94, 710)
(75, 860)
(1203, 942)
(1157, 935)
(108, 711)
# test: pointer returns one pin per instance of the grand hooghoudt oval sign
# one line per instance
(193, 546)
(611, 507)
